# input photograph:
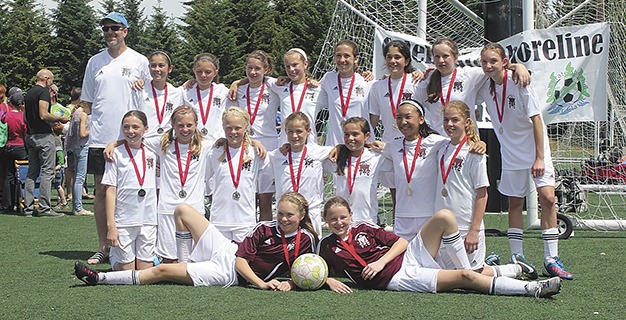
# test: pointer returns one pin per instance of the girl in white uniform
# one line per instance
(235, 168)
(516, 117)
(343, 92)
(301, 169)
(267, 252)
(414, 164)
(206, 97)
(131, 198)
(355, 176)
(261, 103)
(158, 99)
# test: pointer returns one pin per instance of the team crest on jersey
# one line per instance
(361, 239)
(194, 156)
(458, 164)
(421, 153)
(457, 86)
(511, 99)
(127, 71)
(247, 165)
(217, 102)
(169, 106)
(150, 162)
(308, 162)
(359, 91)
(406, 95)
(310, 95)
(265, 98)
(364, 169)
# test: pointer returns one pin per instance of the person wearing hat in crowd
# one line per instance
(107, 87)
(40, 144)
(14, 149)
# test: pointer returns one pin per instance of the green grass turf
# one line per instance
(37, 282)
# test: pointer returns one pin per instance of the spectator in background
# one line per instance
(40, 144)
(76, 145)
(14, 150)
(4, 108)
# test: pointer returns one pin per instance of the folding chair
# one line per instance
(21, 170)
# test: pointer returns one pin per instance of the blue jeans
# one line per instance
(80, 171)
(41, 158)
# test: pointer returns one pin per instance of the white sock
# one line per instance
(119, 277)
(183, 245)
(515, 236)
(454, 247)
(507, 270)
(511, 287)
(550, 242)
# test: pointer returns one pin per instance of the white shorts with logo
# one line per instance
(516, 183)
(213, 260)
(419, 270)
(134, 243)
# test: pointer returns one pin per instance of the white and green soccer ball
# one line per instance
(309, 271)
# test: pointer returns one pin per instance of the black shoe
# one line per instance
(85, 274)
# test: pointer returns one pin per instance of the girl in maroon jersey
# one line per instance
(376, 259)
(266, 253)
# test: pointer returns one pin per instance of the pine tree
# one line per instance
(74, 42)
(134, 15)
(108, 6)
(25, 44)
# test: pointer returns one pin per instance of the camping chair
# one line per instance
(21, 170)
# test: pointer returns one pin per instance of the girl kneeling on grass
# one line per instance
(266, 253)
(376, 259)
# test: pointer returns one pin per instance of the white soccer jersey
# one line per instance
(309, 106)
(420, 200)
(211, 127)
(363, 199)
(170, 184)
(232, 206)
(107, 85)
(263, 118)
(380, 105)
(330, 98)
(144, 100)
(468, 173)
(464, 88)
(131, 209)
(517, 143)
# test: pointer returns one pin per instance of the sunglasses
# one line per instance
(114, 28)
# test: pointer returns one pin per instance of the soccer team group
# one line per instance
(179, 144)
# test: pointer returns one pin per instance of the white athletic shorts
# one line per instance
(235, 233)
(476, 258)
(265, 181)
(134, 243)
(166, 236)
(409, 227)
(418, 272)
(213, 260)
(516, 183)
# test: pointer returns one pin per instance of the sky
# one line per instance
(173, 8)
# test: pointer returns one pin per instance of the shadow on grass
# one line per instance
(69, 255)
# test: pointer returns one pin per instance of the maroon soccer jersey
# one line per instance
(263, 248)
(370, 242)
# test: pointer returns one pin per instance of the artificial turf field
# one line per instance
(37, 282)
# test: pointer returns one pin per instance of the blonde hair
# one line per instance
(298, 116)
(238, 112)
(302, 206)
(169, 136)
(463, 110)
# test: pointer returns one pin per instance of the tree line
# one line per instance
(64, 39)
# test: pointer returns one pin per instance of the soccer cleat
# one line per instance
(527, 268)
(492, 259)
(548, 288)
(85, 274)
(556, 269)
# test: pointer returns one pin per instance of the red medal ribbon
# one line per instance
(445, 173)
(406, 166)
(286, 250)
(350, 248)
(203, 114)
(444, 102)
(395, 106)
(295, 181)
(156, 103)
(182, 174)
(234, 178)
(344, 106)
(501, 111)
(140, 178)
(306, 85)
(258, 102)
(356, 169)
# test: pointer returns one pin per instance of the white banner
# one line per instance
(420, 51)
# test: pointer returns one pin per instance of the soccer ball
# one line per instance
(309, 271)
